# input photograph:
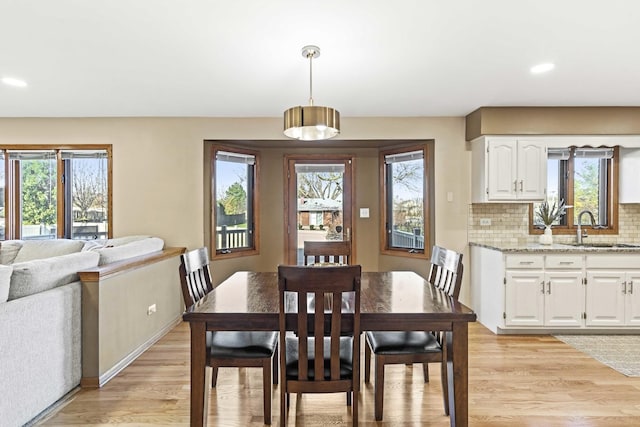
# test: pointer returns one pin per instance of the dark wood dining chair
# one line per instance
(319, 353)
(330, 251)
(229, 348)
(390, 347)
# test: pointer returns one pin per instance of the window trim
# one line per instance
(254, 205)
(427, 148)
(569, 228)
(13, 228)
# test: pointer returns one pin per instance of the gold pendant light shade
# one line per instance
(311, 123)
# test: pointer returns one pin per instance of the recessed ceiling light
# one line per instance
(12, 81)
(542, 68)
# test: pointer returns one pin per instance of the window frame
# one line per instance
(427, 148)
(567, 227)
(13, 204)
(253, 197)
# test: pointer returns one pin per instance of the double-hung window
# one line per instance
(586, 180)
(55, 192)
(234, 192)
(407, 215)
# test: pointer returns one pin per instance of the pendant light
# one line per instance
(311, 123)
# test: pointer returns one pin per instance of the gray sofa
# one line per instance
(41, 317)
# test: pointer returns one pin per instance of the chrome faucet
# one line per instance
(579, 235)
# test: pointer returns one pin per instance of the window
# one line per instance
(406, 179)
(234, 198)
(586, 180)
(50, 192)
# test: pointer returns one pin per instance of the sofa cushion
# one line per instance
(5, 279)
(119, 241)
(38, 249)
(9, 250)
(129, 250)
(39, 275)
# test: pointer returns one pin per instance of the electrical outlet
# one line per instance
(485, 221)
(151, 309)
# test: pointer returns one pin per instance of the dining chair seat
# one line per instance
(242, 344)
(346, 357)
(409, 342)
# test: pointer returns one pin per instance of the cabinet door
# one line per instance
(532, 170)
(632, 299)
(524, 298)
(564, 298)
(605, 298)
(501, 169)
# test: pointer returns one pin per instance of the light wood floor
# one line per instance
(513, 381)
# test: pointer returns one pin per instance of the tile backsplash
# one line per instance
(509, 225)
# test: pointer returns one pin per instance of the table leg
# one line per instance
(457, 374)
(199, 383)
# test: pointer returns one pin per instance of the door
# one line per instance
(501, 169)
(524, 298)
(564, 300)
(532, 170)
(605, 298)
(318, 202)
(632, 305)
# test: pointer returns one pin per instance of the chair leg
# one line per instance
(348, 398)
(379, 388)
(214, 376)
(284, 405)
(267, 390)
(425, 372)
(354, 409)
(275, 363)
(367, 361)
(445, 386)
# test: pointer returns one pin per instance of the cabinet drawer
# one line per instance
(613, 261)
(524, 261)
(563, 261)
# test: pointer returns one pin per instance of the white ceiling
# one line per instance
(242, 58)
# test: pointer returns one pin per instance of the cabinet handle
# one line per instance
(521, 186)
(515, 185)
(542, 290)
(630, 286)
(549, 287)
(624, 287)
(566, 262)
(525, 262)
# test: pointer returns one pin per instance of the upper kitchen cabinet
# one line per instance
(629, 167)
(507, 169)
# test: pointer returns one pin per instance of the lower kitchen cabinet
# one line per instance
(552, 298)
(613, 291)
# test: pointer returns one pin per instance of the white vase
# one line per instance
(546, 238)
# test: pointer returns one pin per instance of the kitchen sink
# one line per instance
(606, 245)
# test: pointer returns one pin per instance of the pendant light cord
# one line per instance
(310, 56)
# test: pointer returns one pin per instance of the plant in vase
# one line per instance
(548, 214)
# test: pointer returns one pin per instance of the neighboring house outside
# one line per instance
(319, 213)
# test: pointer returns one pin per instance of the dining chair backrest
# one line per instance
(195, 275)
(331, 251)
(446, 270)
(322, 355)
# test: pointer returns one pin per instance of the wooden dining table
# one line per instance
(391, 301)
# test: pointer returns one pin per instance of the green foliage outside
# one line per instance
(586, 187)
(38, 193)
(234, 200)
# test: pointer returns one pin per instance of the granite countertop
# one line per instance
(562, 248)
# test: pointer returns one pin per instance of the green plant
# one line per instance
(312, 227)
(299, 226)
(321, 226)
(548, 214)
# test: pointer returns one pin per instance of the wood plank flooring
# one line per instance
(513, 381)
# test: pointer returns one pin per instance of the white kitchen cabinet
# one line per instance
(613, 290)
(629, 190)
(553, 297)
(509, 170)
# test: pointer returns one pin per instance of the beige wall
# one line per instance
(158, 177)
